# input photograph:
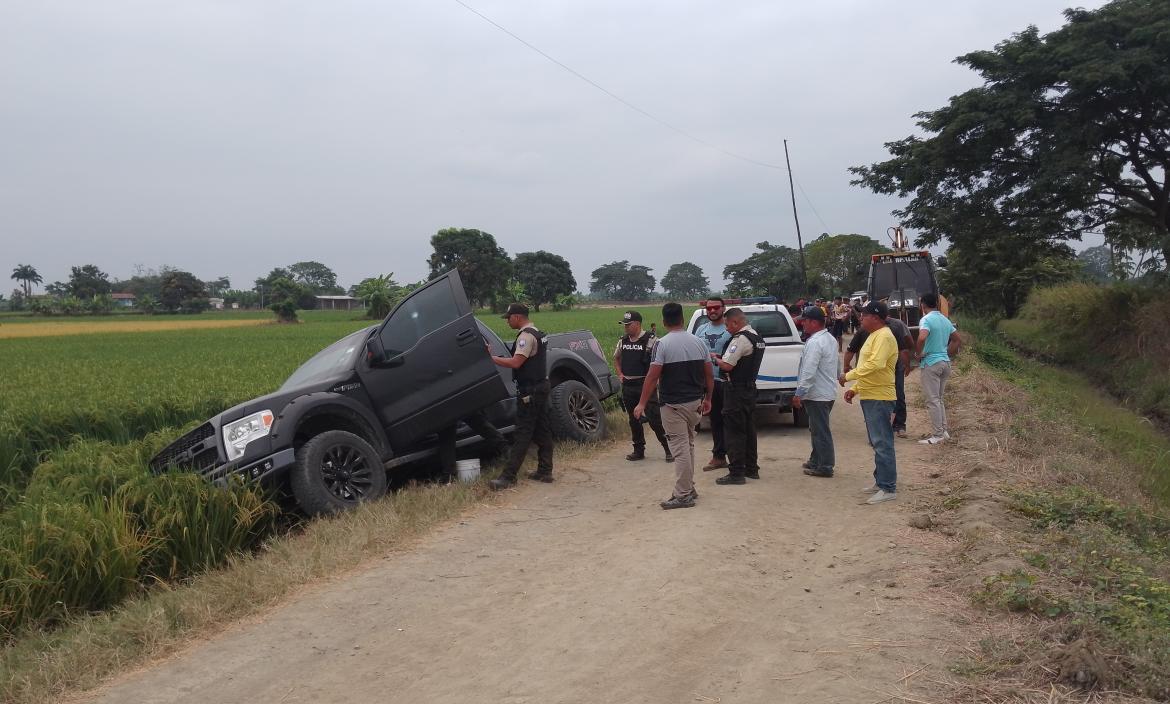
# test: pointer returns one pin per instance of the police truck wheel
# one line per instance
(800, 417)
(576, 413)
(334, 472)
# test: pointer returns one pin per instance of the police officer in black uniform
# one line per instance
(529, 365)
(632, 358)
(741, 362)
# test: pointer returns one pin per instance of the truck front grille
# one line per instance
(196, 451)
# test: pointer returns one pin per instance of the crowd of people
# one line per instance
(670, 383)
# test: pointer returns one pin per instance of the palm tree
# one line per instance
(27, 275)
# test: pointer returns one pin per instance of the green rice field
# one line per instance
(83, 524)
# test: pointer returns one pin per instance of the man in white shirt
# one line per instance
(816, 390)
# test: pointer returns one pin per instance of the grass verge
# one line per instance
(1086, 535)
(44, 666)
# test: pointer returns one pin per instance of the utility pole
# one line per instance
(799, 241)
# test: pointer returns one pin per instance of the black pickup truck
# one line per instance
(377, 398)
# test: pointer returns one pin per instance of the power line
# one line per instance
(623, 101)
(810, 204)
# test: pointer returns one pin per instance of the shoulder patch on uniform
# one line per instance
(731, 349)
(521, 343)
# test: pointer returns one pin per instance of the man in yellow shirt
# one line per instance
(874, 375)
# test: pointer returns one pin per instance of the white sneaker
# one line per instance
(871, 489)
(881, 496)
(946, 435)
(933, 440)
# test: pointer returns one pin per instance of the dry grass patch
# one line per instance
(61, 328)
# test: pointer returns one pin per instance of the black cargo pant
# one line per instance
(718, 441)
(631, 395)
(899, 421)
(493, 441)
(739, 429)
(532, 425)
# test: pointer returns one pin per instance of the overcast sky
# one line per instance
(228, 137)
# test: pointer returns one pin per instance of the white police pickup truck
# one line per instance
(776, 382)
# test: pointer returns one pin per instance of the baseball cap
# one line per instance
(630, 317)
(516, 309)
(813, 313)
(876, 308)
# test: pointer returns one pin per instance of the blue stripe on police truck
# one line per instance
(761, 377)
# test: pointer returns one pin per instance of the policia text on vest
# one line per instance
(741, 363)
(632, 359)
(529, 365)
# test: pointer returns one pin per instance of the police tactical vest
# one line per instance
(636, 355)
(747, 368)
(535, 368)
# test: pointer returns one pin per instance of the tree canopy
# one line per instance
(1069, 132)
(88, 281)
(483, 265)
(839, 264)
(685, 280)
(621, 281)
(27, 275)
(772, 271)
(316, 277)
(544, 276)
(182, 292)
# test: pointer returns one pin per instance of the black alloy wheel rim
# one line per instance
(584, 412)
(347, 474)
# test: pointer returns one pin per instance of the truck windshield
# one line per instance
(329, 362)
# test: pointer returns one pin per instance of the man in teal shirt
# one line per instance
(937, 340)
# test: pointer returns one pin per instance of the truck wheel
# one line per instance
(576, 413)
(334, 472)
(800, 417)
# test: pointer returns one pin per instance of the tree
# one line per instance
(88, 281)
(181, 292)
(27, 275)
(621, 281)
(316, 277)
(483, 265)
(380, 295)
(1069, 132)
(279, 272)
(16, 302)
(1098, 263)
(545, 276)
(772, 271)
(685, 280)
(218, 288)
(284, 295)
(993, 275)
(838, 264)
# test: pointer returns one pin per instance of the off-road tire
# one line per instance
(799, 418)
(576, 412)
(357, 472)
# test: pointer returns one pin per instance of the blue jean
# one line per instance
(881, 437)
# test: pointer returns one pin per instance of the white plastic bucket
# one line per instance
(468, 469)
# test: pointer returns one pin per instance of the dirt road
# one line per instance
(784, 590)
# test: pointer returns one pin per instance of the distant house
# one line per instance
(124, 300)
(338, 303)
(216, 303)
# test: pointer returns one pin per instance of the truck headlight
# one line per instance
(237, 434)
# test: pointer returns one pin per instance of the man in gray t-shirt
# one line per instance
(681, 371)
